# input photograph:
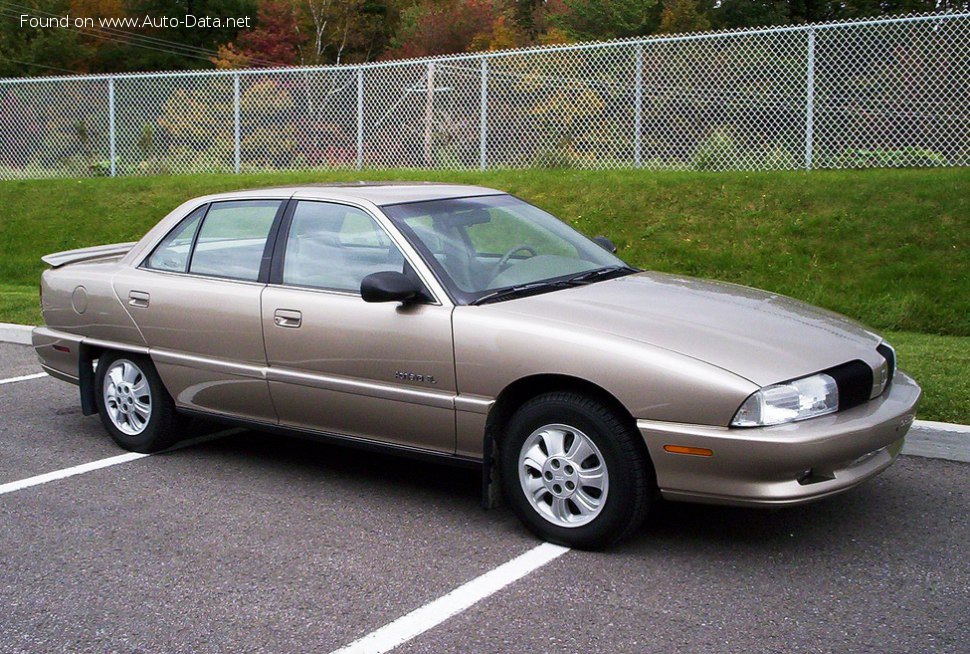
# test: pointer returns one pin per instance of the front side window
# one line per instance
(334, 246)
(232, 239)
(479, 245)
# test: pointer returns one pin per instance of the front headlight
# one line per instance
(795, 400)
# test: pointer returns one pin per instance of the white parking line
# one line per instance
(11, 380)
(431, 615)
(69, 472)
(12, 486)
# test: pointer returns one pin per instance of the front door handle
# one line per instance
(288, 318)
(138, 299)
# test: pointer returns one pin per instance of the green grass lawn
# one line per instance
(940, 364)
(887, 247)
(19, 304)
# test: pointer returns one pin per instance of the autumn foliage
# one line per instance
(315, 32)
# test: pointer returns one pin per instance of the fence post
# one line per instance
(237, 126)
(483, 118)
(111, 125)
(360, 118)
(638, 110)
(809, 99)
(429, 115)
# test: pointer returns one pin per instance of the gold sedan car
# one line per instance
(463, 324)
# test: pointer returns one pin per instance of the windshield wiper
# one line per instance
(531, 288)
(597, 274)
(518, 291)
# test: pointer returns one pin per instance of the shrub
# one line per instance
(716, 151)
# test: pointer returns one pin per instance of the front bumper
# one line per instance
(784, 464)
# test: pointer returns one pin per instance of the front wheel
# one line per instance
(574, 472)
(134, 406)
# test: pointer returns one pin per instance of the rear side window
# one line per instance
(232, 239)
(172, 254)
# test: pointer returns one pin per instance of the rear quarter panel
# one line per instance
(80, 299)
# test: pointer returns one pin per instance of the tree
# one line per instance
(97, 8)
(345, 30)
(443, 27)
(126, 54)
(275, 40)
(683, 16)
(730, 14)
(864, 8)
(596, 20)
(229, 57)
(502, 34)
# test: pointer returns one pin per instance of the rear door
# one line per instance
(196, 300)
(337, 364)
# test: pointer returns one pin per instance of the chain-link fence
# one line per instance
(891, 92)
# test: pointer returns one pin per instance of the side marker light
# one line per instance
(683, 449)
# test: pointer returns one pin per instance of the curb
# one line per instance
(941, 426)
(927, 438)
(938, 440)
(19, 334)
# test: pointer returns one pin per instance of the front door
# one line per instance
(375, 371)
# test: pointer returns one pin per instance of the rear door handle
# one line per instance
(288, 318)
(138, 299)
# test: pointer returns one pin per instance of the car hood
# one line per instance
(763, 337)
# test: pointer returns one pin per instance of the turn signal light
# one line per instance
(683, 449)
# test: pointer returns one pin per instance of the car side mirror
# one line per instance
(605, 243)
(388, 286)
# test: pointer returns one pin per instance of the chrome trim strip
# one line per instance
(474, 404)
(681, 427)
(47, 332)
(438, 399)
(208, 363)
(113, 345)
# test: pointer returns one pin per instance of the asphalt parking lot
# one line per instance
(255, 543)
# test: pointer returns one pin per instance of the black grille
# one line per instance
(854, 380)
(890, 357)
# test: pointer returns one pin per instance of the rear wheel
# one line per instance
(574, 471)
(134, 406)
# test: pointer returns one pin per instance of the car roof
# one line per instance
(379, 193)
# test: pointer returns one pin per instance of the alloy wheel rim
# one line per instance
(127, 397)
(563, 475)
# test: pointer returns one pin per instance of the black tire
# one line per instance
(630, 478)
(162, 428)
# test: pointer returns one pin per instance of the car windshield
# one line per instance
(481, 246)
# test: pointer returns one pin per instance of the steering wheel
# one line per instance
(504, 261)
